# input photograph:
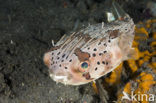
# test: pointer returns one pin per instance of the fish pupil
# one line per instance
(84, 65)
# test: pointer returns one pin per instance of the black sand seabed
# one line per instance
(26, 30)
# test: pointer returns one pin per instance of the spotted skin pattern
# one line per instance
(102, 46)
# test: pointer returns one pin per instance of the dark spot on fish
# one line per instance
(106, 63)
(58, 57)
(58, 53)
(104, 51)
(104, 44)
(62, 61)
(88, 48)
(63, 55)
(70, 60)
(95, 49)
(67, 57)
(52, 58)
(56, 62)
(52, 53)
(96, 68)
(98, 63)
(94, 54)
(60, 65)
(99, 43)
(100, 54)
(109, 41)
(65, 67)
(103, 62)
(114, 34)
(89, 56)
(82, 56)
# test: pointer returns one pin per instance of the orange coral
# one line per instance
(95, 87)
(141, 30)
(145, 80)
(115, 75)
(145, 83)
(154, 35)
(132, 65)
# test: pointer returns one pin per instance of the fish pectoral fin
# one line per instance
(132, 54)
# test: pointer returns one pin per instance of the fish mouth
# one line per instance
(115, 12)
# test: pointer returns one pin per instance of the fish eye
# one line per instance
(84, 65)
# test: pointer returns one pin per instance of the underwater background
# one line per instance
(26, 30)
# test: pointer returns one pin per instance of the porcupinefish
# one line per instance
(92, 52)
